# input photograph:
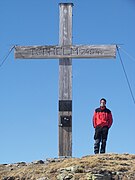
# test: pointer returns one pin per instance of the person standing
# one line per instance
(102, 121)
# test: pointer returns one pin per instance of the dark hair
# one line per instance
(103, 100)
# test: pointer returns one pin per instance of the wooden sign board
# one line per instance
(71, 51)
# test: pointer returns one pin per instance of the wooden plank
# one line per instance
(65, 51)
(65, 137)
(65, 79)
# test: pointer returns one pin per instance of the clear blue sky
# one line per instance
(29, 88)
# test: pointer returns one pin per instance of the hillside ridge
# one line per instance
(110, 166)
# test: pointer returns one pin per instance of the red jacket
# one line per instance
(102, 117)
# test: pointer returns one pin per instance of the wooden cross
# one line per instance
(65, 51)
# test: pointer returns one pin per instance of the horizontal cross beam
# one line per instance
(68, 51)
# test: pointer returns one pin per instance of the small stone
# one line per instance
(38, 162)
(50, 160)
(8, 178)
(61, 176)
(69, 176)
(21, 163)
(77, 169)
(98, 177)
(74, 169)
(89, 176)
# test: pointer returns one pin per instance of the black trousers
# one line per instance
(100, 136)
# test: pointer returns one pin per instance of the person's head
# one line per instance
(102, 102)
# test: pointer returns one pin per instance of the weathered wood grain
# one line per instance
(65, 79)
(65, 51)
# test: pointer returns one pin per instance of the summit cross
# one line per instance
(65, 51)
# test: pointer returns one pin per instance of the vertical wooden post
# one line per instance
(65, 82)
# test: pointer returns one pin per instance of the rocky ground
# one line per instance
(93, 167)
